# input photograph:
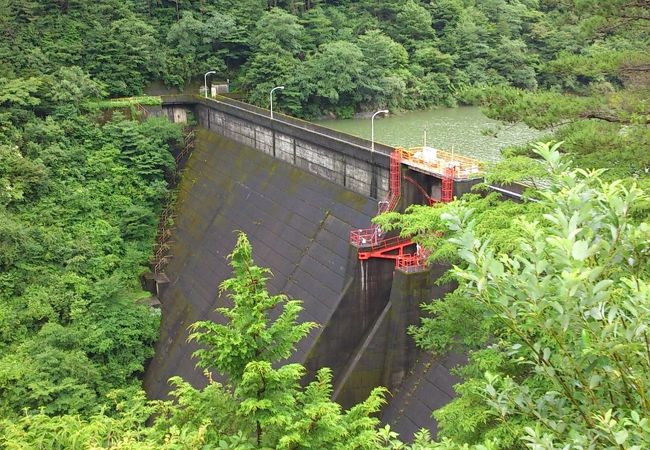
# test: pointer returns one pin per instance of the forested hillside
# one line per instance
(79, 205)
(579, 67)
(81, 192)
(333, 56)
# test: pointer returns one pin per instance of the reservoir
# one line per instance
(464, 129)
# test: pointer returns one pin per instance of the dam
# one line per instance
(298, 190)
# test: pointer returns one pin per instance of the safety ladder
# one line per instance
(371, 242)
(447, 193)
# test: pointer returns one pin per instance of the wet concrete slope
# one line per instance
(429, 386)
(298, 224)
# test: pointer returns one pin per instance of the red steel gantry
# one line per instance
(408, 256)
(371, 242)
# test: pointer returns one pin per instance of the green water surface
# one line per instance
(461, 128)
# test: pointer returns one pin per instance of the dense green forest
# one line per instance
(79, 205)
(81, 191)
(333, 56)
(580, 69)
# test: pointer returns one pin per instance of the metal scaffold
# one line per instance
(408, 256)
(371, 241)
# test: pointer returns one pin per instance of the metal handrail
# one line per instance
(466, 167)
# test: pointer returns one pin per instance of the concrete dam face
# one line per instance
(298, 224)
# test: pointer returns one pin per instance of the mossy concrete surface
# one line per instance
(298, 227)
(387, 356)
(298, 224)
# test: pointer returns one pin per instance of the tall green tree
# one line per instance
(281, 28)
(386, 62)
(246, 348)
(335, 72)
(263, 405)
(124, 55)
(559, 314)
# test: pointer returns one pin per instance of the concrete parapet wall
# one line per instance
(341, 158)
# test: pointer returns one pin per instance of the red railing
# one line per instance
(384, 248)
(372, 236)
(395, 180)
(370, 242)
(437, 161)
(371, 246)
(413, 262)
(365, 237)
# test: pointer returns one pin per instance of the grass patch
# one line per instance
(125, 102)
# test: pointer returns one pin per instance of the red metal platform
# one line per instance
(371, 243)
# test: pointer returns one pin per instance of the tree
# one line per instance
(413, 24)
(335, 73)
(601, 130)
(124, 54)
(19, 177)
(262, 406)
(319, 28)
(268, 67)
(281, 28)
(247, 347)
(79, 204)
(249, 334)
(185, 36)
(561, 347)
(381, 53)
(386, 65)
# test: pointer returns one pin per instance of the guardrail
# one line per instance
(365, 237)
(465, 167)
(414, 262)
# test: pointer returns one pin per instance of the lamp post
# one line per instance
(205, 81)
(372, 128)
(271, 98)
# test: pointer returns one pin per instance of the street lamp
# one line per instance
(372, 127)
(205, 82)
(271, 98)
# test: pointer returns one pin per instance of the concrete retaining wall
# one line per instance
(338, 157)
